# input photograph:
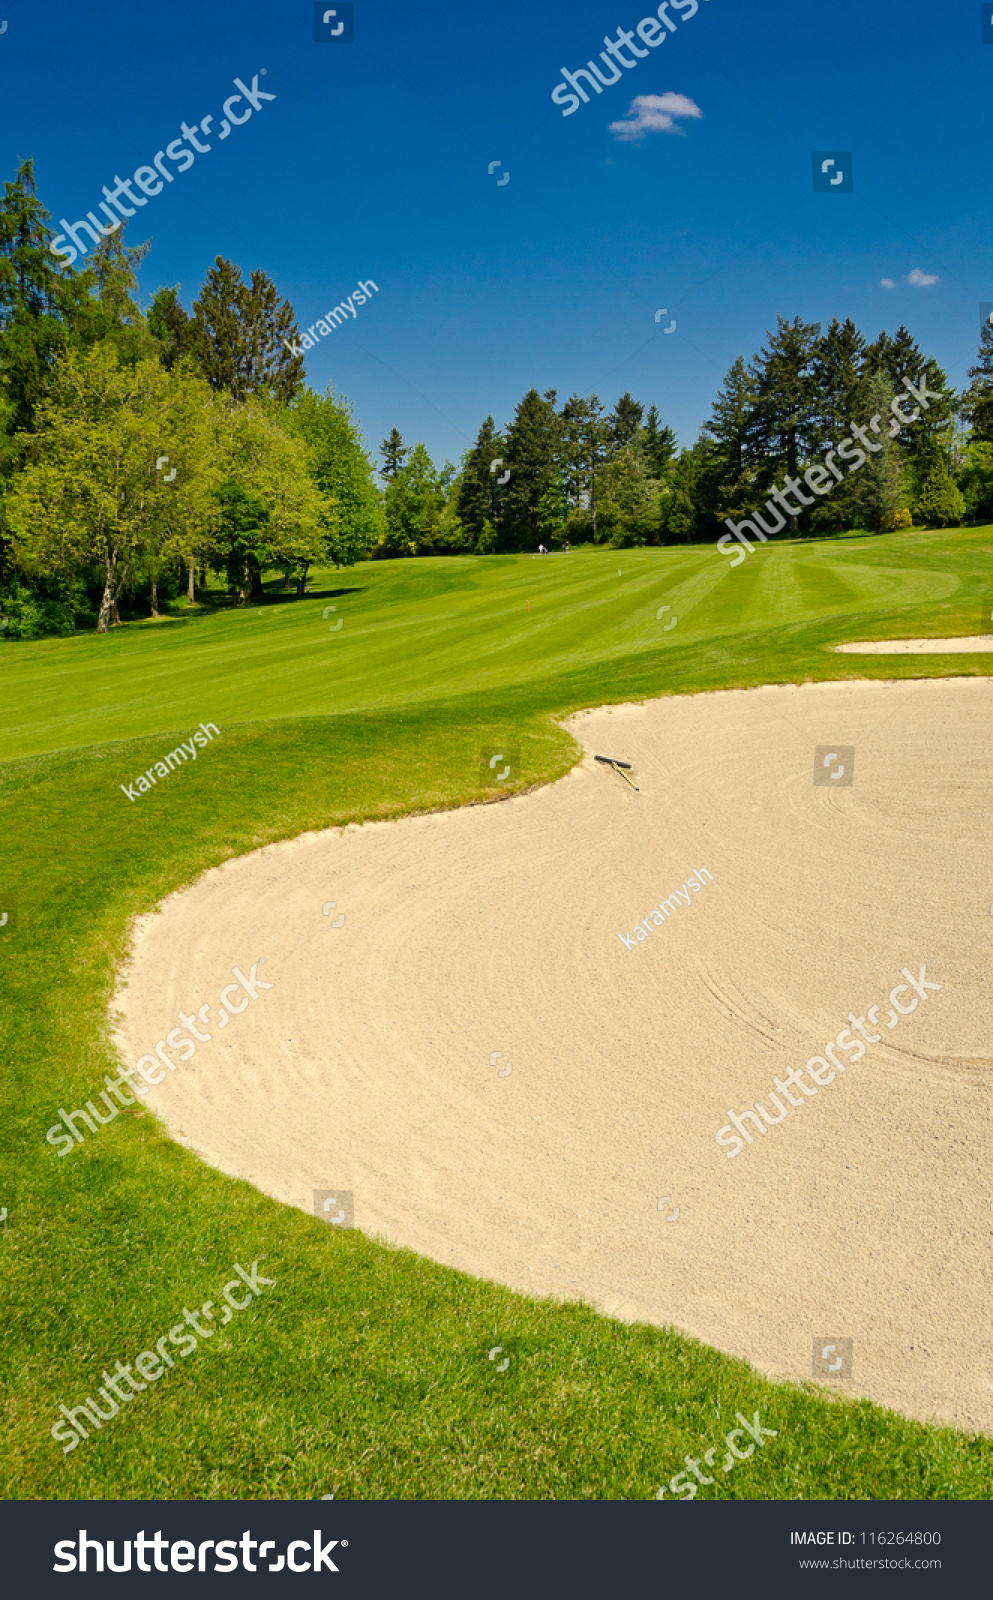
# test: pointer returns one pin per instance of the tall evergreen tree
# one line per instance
(977, 402)
(394, 453)
(170, 323)
(782, 429)
(40, 299)
(584, 440)
(926, 442)
(243, 333)
(624, 422)
(478, 488)
(532, 451)
(836, 374)
(659, 442)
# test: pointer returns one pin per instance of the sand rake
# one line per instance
(612, 761)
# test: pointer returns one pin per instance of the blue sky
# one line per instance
(371, 162)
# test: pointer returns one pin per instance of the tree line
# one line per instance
(141, 450)
(578, 472)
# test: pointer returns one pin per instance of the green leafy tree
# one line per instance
(89, 490)
(343, 472)
(630, 500)
(272, 466)
(414, 503)
(553, 511)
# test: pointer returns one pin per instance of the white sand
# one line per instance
(866, 1214)
(920, 647)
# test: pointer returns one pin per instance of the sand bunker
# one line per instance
(920, 647)
(508, 1087)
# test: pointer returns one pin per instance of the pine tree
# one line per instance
(39, 301)
(394, 453)
(584, 439)
(977, 402)
(659, 442)
(478, 489)
(879, 483)
(782, 429)
(624, 422)
(532, 450)
(169, 322)
(242, 335)
(836, 375)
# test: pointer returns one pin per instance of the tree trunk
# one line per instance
(302, 578)
(191, 594)
(109, 615)
(155, 599)
(593, 504)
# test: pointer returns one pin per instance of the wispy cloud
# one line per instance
(919, 279)
(654, 113)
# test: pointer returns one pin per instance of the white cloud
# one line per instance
(654, 113)
(919, 280)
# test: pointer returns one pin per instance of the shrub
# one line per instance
(27, 615)
(894, 520)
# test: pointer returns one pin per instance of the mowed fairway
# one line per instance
(363, 1371)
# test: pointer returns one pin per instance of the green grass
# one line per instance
(363, 1372)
